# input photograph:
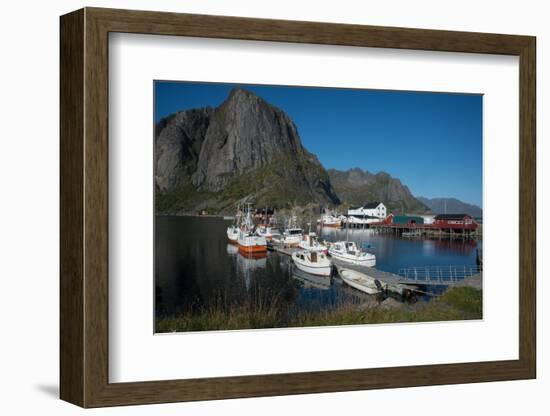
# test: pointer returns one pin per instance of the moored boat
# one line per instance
(312, 262)
(233, 234)
(349, 252)
(360, 281)
(292, 237)
(266, 232)
(330, 221)
(311, 243)
(249, 242)
(233, 229)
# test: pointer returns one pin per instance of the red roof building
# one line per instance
(455, 221)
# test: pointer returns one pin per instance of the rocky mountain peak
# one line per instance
(245, 133)
(244, 147)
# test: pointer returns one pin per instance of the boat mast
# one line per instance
(248, 224)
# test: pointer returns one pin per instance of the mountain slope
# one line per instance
(245, 149)
(451, 206)
(357, 187)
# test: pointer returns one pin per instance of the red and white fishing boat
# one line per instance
(249, 242)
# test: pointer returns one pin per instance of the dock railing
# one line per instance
(439, 274)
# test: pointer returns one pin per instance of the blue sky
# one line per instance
(431, 141)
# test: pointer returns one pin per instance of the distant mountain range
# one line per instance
(451, 206)
(247, 150)
(356, 187)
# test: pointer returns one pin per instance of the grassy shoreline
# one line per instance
(459, 303)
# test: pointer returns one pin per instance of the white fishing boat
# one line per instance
(266, 232)
(330, 221)
(292, 237)
(233, 234)
(360, 281)
(312, 262)
(356, 221)
(349, 252)
(310, 242)
(233, 229)
(277, 238)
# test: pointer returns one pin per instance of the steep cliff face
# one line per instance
(245, 133)
(245, 148)
(356, 187)
(177, 147)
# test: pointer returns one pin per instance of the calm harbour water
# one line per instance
(196, 268)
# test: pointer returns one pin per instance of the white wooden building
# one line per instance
(372, 209)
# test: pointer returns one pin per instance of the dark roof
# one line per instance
(451, 216)
(371, 205)
(405, 219)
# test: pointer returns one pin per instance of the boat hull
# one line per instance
(291, 241)
(367, 261)
(320, 269)
(360, 282)
(317, 271)
(249, 244)
(365, 289)
(256, 249)
(258, 255)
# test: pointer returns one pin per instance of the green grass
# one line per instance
(182, 199)
(462, 303)
(465, 299)
(272, 185)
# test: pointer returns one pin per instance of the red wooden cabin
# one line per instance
(455, 221)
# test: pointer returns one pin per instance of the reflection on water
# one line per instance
(310, 280)
(195, 267)
(394, 253)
